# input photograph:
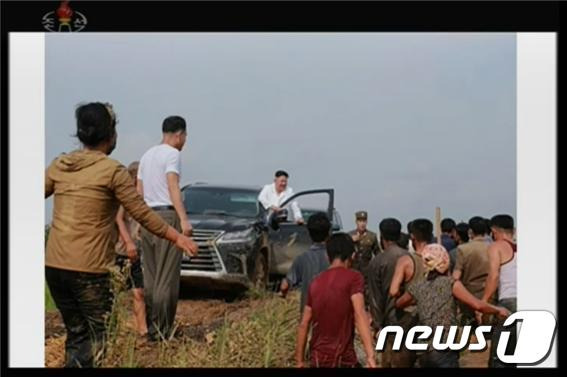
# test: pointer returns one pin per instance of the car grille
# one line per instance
(207, 259)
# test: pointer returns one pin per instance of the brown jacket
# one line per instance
(88, 188)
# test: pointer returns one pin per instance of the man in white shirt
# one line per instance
(274, 194)
(158, 182)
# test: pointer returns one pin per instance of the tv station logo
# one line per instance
(64, 19)
(533, 345)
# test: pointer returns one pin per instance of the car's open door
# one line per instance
(287, 238)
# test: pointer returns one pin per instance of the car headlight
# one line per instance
(237, 237)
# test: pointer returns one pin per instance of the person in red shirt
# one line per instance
(335, 303)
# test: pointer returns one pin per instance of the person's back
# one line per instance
(154, 166)
(435, 303)
(306, 267)
(159, 177)
(83, 182)
(508, 273)
(472, 260)
(381, 271)
(332, 337)
(503, 279)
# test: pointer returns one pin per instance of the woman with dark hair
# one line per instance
(435, 298)
(88, 188)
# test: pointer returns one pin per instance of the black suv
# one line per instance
(240, 243)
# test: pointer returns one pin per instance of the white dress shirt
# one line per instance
(269, 197)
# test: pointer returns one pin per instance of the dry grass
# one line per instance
(260, 335)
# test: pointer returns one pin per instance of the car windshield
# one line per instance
(221, 201)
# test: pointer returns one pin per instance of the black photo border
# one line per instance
(264, 16)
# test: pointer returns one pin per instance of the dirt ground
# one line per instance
(197, 318)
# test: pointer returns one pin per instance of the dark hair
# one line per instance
(390, 229)
(487, 225)
(505, 222)
(447, 225)
(279, 173)
(318, 226)
(173, 123)
(403, 241)
(95, 123)
(463, 231)
(422, 230)
(409, 227)
(477, 226)
(133, 168)
(340, 245)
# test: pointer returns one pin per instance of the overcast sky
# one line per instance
(396, 123)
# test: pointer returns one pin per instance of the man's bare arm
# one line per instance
(457, 274)
(400, 275)
(405, 300)
(463, 295)
(125, 234)
(302, 331)
(493, 272)
(361, 323)
(176, 200)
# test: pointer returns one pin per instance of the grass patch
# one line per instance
(49, 303)
(261, 336)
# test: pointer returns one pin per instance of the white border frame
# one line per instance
(536, 174)
(27, 204)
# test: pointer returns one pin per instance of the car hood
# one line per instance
(216, 222)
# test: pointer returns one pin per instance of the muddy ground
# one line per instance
(197, 317)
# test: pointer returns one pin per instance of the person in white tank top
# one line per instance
(502, 279)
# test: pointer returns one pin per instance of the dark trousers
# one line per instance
(403, 358)
(84, 301)
(162, 268)
(494, 361)
(439, 359)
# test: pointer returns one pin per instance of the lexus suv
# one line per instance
(242, 244)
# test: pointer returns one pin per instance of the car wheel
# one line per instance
(259, 278)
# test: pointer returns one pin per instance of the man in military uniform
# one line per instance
(366, 243)
(366, 247)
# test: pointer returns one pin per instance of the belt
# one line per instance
(163, 208)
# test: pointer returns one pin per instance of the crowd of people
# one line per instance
(105, 214)
(396, 285)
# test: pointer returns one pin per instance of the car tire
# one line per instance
(259, 278)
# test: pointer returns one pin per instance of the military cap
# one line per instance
(361, 215)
